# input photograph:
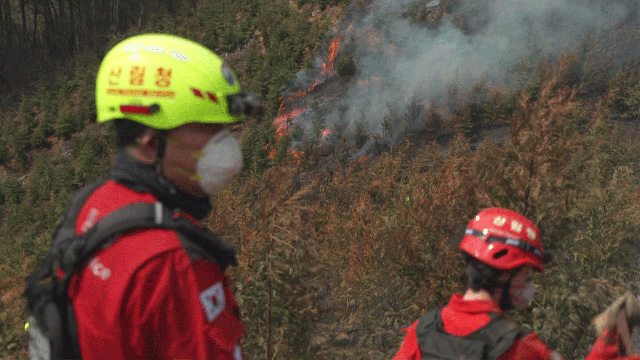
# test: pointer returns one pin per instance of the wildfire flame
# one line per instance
(327, 67)
(283, 119)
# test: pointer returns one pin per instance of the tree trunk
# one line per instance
(3, 51)
(8, 23)
(49, 30)
(62, 30)
(72, 33)
(35, 26)
(90, 16)
(1, 23)
(25, 38)
(116, 11)
(141, 18)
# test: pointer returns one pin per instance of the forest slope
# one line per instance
(337, 253)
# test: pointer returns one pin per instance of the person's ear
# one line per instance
(148, 145)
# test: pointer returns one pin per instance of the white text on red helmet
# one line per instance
(499, 221)
(516, 226)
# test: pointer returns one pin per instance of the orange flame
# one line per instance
(331, 56)
(327, 67)
(297, 155)
(282, 119)
(282, 122)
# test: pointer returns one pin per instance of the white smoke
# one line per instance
(407, 60)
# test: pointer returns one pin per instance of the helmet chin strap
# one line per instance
(162, 145)
(505, 302)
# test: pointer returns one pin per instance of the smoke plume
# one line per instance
(402, 60)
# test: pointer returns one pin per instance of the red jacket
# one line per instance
(462, 317)
(143, 297)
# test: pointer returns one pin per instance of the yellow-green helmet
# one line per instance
(164, 81)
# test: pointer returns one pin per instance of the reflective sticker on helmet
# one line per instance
(212, 97)
(516, 226)
(157, 49)
(136, 92)
(114, 76)
(131, 47)
(531, 233)
(228, 75)
(499, 221)
(136, 75)
(163, 77)
(178, 55)
(134, 109)
(197, 93)
(512, 242)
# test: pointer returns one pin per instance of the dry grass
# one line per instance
(334, 263)
(362, 252)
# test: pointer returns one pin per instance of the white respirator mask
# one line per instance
(219, 163)
(523, 296)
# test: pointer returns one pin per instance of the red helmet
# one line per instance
(503, 239)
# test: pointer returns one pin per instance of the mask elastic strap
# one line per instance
(162, 145)
(506, 303)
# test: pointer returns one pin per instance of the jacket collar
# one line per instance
(142, 177)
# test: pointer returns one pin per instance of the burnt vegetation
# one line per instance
(339, 251)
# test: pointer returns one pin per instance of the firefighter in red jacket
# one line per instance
(146, 296)
(503, 251)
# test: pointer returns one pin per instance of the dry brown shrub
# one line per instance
(361, 252)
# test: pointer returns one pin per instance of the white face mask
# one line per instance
(523, 296)
(220, 163)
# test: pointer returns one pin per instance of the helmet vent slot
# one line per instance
(500, 253)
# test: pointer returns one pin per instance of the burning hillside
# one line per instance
(412, 58)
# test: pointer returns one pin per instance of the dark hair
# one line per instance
(477, 275)
(127, 131)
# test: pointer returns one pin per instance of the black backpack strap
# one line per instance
(488, 342)
(134, 216)
(499, 334)
(66, 227)
(195, 239)
(200, 241)
(437, 344)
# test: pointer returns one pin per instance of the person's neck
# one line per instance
(477, 295)
(140, 154)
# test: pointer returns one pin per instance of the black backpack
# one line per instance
(52, 325)
(487, 343)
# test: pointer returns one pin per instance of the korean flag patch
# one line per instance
(213, 300)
